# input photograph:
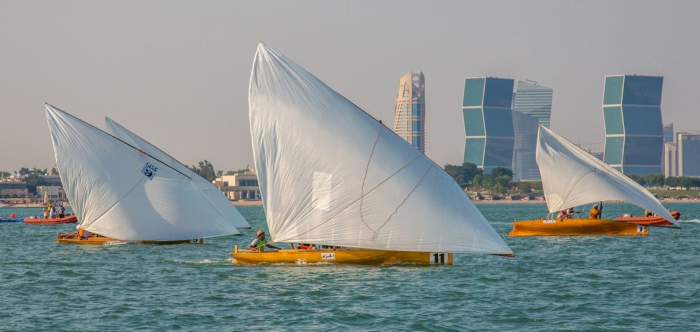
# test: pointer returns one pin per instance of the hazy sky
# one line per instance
(176, 72)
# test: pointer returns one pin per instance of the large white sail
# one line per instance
(573, 177)
(213, 194)
(331, 174)
(119, 191)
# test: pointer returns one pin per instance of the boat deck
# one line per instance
(341, 256)
(94, 239)
(577, 227)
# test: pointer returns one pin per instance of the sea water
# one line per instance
(560, 283)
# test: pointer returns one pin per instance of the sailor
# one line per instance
(561, 215)
(570, 213)
(259, 243)
(82, 233)
(595, 212)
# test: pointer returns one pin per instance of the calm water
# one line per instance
(583, 283)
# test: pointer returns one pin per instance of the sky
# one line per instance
(176, 72)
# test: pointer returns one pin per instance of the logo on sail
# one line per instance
(149, 170)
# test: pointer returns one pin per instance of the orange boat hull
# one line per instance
(66, 220)
(577, 227)
(341, 256)
(651, 221)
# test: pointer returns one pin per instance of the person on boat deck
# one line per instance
(61, 211)
(561, 215)
(259, 243)
(82, 233)
(648, 213)
(570, 213)
(53, 214)
(304, 246)
(595, 212)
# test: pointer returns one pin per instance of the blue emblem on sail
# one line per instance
(149, 170)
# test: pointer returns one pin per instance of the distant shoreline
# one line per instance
(503, 201)
(247, 203)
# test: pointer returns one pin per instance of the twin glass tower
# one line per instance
(496, 137)
(501, 127)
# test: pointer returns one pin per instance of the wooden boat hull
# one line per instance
(341, 256)
(651, 221)
(66, 220)
(577, 227)
(73, 238)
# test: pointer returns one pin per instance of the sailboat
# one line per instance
(126, 190)
(332, 175)
(572, 177)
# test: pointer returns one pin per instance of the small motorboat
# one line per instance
(72, 219)
(651, 220)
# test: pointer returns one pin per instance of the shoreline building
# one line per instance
(633, 128)
(409, 121)
(240, 186)
(530, 102)
(688, 154)
(488, 122)
(670, 159)
(668, 138)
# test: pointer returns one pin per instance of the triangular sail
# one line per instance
(573, 177)
(331, 174)
(119, 191)
(213, 194)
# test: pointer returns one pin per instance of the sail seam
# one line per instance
(376, 233)
(353, 202)
(120, 199)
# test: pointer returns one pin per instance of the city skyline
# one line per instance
(178, 72)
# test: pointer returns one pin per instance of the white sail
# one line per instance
(119, 191)
(213, 194)
(331, 174)
(573, 177)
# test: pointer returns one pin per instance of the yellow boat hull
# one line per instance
(73, 238)
(577, 227)
(341, 256)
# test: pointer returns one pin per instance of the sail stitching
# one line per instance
(376, 233)
(120, 199)
(353, 202)
(362, 189)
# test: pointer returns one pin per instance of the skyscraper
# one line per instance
(633, 127)
(524, 149)
(688, 154)
(409, 122)
(534, 100)
(668, 133)
(530, 102)
(488, 122)
(668, 138)
(670, 159)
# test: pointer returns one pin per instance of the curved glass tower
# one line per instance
(633, 129)
(409, 121)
